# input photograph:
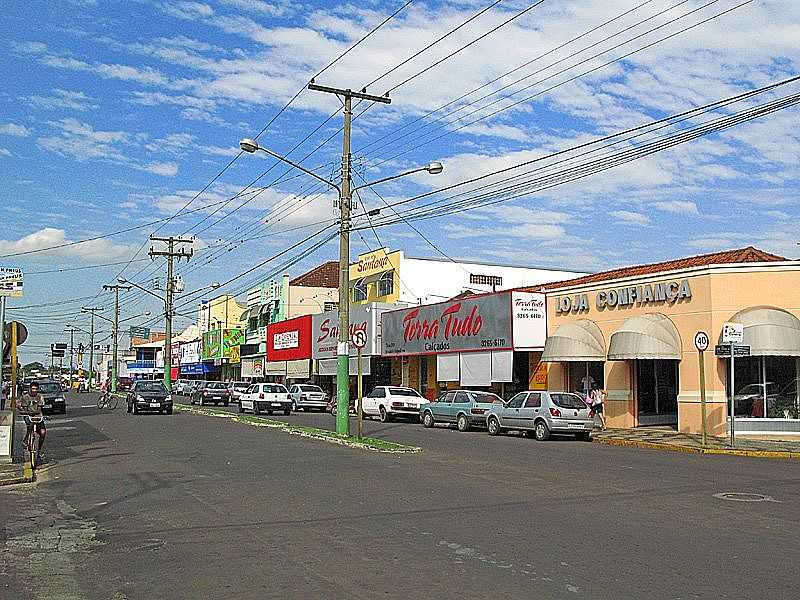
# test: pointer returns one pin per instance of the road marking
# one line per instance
(62, 428)
(88, 405)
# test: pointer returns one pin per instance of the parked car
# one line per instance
(53, 394)
(149, 395)
(465, 408)
(192, 385)
(210, 392)
(749, 401)
(267, 397)
(542, 413)
(237, 388)
(305, 396)
(179, 386)
(390, 401)
(124, 384)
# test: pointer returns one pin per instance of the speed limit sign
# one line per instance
(701, 341)
(359, 338)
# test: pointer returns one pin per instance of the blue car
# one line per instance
(465, 408)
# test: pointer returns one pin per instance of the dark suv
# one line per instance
(148, 395)
(211, 391)
(53, 395)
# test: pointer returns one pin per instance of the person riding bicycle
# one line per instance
(30, 405)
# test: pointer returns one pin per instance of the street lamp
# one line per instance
(345, 199)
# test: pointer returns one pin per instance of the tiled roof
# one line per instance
(326, 276)
(740, 255)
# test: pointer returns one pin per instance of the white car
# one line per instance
(390, 401)
(305, 396)
(265, 397)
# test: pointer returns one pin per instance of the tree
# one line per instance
(28, 369)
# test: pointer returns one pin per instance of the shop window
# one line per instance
(766, 387)
(360, 291)
(386, 284)
(584, 375)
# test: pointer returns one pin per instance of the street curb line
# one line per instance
(28, 476)
(693, 450)
(296, 430)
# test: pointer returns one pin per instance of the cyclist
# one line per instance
(30, 405)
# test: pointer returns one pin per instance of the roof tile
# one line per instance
(325, 275)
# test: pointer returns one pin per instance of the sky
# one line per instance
(117, 115)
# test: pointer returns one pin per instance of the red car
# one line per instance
(124, 384)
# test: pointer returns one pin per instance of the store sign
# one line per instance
(529, 320)
(668, 292)
(289, 340)
(11, 281)
(138, 332)
(325, 331)
(190, 353)
(539, 378)
(253, 367)
(372, 263)
(480, 323)
(219, 343)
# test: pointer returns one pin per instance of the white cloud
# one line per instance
(159, 168)
(14, 129)
(5, 152)
(63, 99)
(678, 207)
(627, 217)
(94, 250)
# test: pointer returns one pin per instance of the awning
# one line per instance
(769, 331)
(368, 279)
(246, 315)
(648, 337)
(578, 341)
(265, 308)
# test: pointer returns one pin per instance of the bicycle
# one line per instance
(32, 441)
(107, 400)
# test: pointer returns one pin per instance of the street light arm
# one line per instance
(248, 145)
(391, 177)
(144, 289)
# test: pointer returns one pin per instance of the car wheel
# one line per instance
(427, 420)
(135, 409)
(385, 416)
(200, 401)
(287, 412)
(541, 431)
(241, 410)
(462, 423)
(584, 436)
(333, 410)
(225, 403)
(256, 411)
(269, 412)
(169, 411)
(294, 406)
(129, 408)
(494, 426)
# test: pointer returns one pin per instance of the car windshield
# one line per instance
(275, 389)
(404, 392)
(151, 386)
(49, 387)
(485, 397)
(216, 385)
(568, 400)
(309, 388)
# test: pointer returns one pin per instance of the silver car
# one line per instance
(542, 413)
(305, 396)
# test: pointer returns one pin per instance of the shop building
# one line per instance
(221, 354)
(489, 341)
(289, 350)
(222, 312)
(394, 278)
(631, 331)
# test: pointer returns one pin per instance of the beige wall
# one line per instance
(221, 312)
(718, 294)
(305, 300)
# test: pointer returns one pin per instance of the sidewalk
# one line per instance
(663, 439)
(16, 472)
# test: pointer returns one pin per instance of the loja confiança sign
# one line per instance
(501, 321)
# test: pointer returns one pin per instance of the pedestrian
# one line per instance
(598, 399)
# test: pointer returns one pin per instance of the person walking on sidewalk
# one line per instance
(598, 398)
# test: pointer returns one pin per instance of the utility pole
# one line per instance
(171, 254)
(345, 198)
(2, 343)
(115, 333)
(91, 311)
(71, 330)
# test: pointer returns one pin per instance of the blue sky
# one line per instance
(117, 113)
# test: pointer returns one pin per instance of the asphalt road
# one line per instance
(185, 506)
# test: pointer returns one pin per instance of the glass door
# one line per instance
(657, 392)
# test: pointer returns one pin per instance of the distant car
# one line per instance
(149, 395)
(53, 393)
(124, 384)
(390, 401)
(267, 397)
(542, 413)
(305, 396)
(179, 386)
(465, 408)
(237, 388)
(191, 386)
(210, 392)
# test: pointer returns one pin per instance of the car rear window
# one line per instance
(485, 397)
(568, 400)
(403, 392)
(216, 385)
(154, 386)
(309, 388)
(275, 389)
(49, 388)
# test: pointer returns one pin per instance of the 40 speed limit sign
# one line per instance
(701, 341)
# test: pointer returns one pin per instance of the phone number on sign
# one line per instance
(495, 343)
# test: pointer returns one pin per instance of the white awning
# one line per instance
(647, 337)
(769, 331)
(578, 341)
(327, 366)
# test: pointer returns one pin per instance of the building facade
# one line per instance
(631, 331)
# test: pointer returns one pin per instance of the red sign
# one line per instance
(289, 340)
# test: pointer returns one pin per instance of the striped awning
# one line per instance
(577, 341)
(769, 331)
(646, 337)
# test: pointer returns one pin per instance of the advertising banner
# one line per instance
(530, 320)
(11, 282)
(253, 368)
(218, 343)
(325, 331)
(190, 353)
(468, 324)
(289, 340)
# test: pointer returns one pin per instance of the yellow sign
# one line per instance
(539, 378)
(373, 263)
(235, 354)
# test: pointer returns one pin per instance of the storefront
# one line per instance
(289, 350)
(253, 368)
(324, 338)
(631, 332)
(221, 352)
(488, 341)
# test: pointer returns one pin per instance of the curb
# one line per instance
(694, 450)
(27, 476)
